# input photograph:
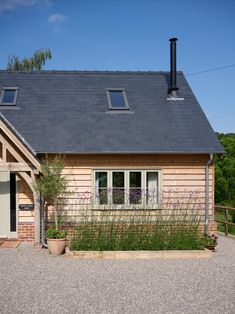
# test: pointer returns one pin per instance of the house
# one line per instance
(116, 130)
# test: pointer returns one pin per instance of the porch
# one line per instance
(19, 205)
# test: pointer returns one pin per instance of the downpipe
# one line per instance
(42, 202)
(207, 195)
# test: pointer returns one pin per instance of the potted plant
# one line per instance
(56, 241)
(212, 242)
(51, 184)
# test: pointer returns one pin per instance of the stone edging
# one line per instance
(115, 255)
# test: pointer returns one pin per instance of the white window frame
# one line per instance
(126, 205)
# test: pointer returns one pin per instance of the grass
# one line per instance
(219, 215)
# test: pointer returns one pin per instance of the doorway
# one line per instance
(8, 206)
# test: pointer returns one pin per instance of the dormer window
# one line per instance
(117, 99)
(8, 96)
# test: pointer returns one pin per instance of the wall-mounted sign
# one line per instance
(26, 206)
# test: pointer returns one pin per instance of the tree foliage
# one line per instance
(36, 62)
(225, 171)
(51, 184)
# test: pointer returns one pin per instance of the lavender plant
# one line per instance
(131, 224)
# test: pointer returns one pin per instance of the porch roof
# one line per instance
(7, 130)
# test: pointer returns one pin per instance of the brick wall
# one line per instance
(26, 231)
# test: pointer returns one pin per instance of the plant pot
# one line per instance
(211, 247)
(56, 246)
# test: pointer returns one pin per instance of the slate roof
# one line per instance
(17, 134)
(67, 112)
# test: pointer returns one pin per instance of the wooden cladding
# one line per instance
(181, 176)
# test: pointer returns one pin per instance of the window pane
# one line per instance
(117, 99)
(135, 187)
(101, 187)
(152, 188)
(8, 96)
(118, 179)
(135, 179)
(118, 188)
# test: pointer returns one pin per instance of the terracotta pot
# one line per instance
(56, 246)
(211, 247)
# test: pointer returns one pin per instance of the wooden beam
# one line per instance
(36, 172)
(30, 180)
(14, 167)
(20, 145)
(36, 211)
(27, 179)
(23, 166)
(8, 147)
(4, 152)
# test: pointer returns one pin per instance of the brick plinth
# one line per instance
(212, 228)
(26, 232)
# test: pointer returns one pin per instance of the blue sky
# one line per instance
(132, 35)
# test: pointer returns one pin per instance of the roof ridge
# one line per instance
(89, 72)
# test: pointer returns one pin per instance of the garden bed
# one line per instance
(138, 237)
(115, 255)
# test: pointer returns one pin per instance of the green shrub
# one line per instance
(54, 233)
(138, 236)
(233, 216)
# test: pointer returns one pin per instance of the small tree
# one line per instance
(36, 62)
(51, 184)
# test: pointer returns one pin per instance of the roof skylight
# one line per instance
(117, 99)
(9, 96)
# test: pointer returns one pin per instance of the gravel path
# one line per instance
(31, 281)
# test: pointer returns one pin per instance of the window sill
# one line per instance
(140, 209)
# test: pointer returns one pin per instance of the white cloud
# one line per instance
(56, 18)
(10, 5)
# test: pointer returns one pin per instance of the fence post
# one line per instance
(226, 220)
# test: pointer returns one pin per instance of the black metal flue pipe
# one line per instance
(173, 84)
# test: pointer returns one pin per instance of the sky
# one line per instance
(132, 35)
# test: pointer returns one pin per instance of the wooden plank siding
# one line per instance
(183, 177)
(25, 196)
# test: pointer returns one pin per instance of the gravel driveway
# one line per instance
(31, 281)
